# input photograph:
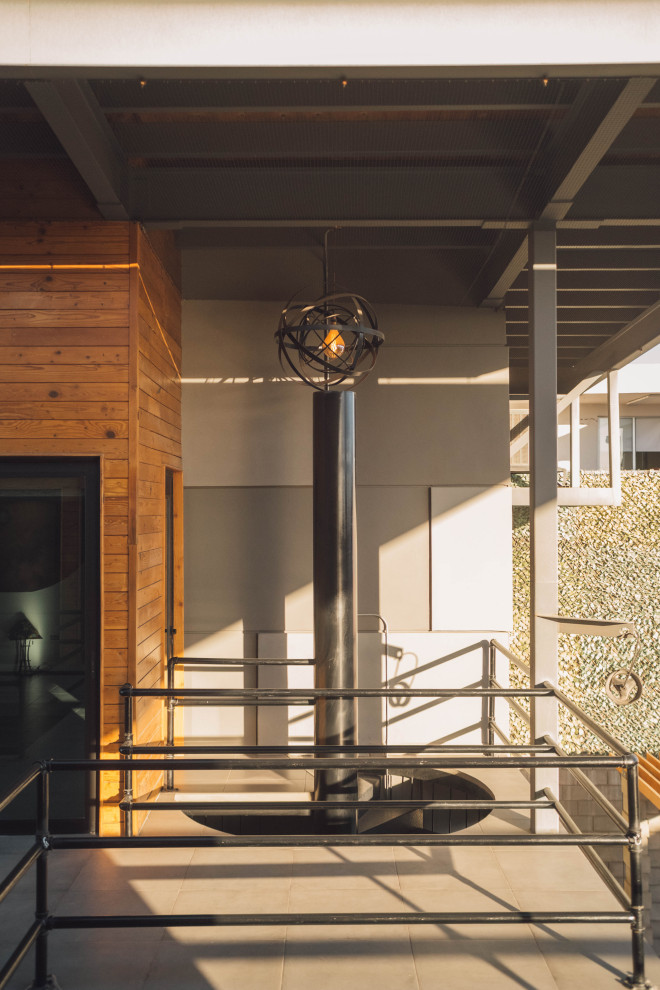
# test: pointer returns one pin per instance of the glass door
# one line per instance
(49, 630)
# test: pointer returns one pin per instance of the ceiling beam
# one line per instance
(71, 110)
(322, 224)
(578, 171)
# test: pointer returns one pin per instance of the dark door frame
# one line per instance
(88, 468)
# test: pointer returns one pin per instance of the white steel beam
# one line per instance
(614, 433)
(543, 498)
(575, 443)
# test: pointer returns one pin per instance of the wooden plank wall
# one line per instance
(158, 448)
(84, 371)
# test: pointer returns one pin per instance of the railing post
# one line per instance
(128, 774)
(492, 671)
(638, 979)
(171, 705)
(43, 980)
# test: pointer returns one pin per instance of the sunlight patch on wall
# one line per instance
(299, 609)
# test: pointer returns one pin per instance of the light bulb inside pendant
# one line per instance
(333, 345)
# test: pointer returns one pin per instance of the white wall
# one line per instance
(434, 514)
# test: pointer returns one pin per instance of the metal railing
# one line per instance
(368, 757)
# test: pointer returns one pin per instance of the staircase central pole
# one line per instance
(335, 603)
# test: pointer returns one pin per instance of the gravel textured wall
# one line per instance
(609, 567)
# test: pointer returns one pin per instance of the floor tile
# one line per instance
(149, 898)
(345, 867)
(546, 868)
(453, 869)
(232, 901)
(100, 964)
(351, 965)
(223, 869)
(472, 901)
(322, 900)
(213, 966)
(472, 964)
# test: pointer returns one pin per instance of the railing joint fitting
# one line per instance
(634, 838)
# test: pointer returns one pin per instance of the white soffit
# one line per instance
(425, 33)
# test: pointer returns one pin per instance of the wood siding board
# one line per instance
(159, 426)
(57, 375)
(67, 356)
(149, 593)
(149, 541)
(150, 610)
(88, 321)
(115, 601)
(62, 283)
(156, 442)
(116, 467)
(160, 371)
(61, 446)
(63, 392)
(64, 410)
(63, 428)
(116, 581)
(89, 301)
(69, 336)
(156, 408)
(116, 526)
(167, 392)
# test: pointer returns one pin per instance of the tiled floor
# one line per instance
(400, 957)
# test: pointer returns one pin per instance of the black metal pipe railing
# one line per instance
(359, 757)
(363, 839)
(367, 763)
(20, 952)
(286, 695)
(405, 804)
(370, 918)
(21, 785)
(236, 662)
(21, 868)
(305, 748)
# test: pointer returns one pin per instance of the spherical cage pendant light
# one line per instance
(330, 342)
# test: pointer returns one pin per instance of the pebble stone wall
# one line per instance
(609, 567)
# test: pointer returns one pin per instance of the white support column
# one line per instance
(575, 443)
(614, 432)
(543, 496)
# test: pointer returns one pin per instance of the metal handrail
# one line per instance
(286, 695)
(374, 757)
(630, 837)
(518, 661)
